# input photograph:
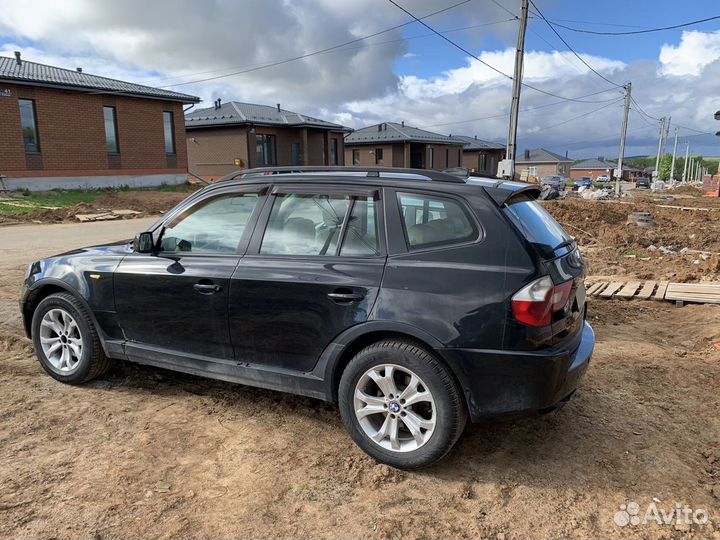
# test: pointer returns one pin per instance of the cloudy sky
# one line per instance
(226, 49)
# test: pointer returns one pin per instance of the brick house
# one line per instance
(396, 145)
(62, 128)
(600, 167)
(481, 157)
(534, 165)
(231, 136)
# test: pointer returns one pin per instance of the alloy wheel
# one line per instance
(61, 340)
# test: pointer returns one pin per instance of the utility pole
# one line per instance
(507, 166)
(685, 166)
(672, 166)
(657, 158)
(623, 134)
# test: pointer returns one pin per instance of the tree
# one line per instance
(664, 170)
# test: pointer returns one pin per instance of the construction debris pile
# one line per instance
(646, 236)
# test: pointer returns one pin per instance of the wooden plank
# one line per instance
(699, 299)
(612, 289)
(647, 290)
(596, 288)
(662, 287)
(629, 290)
(695, 286)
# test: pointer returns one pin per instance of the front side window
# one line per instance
(169, 127)
(28, 121)
(322, 225)
(433, 221)
(212, 226)
(266, 153)
(111, 135)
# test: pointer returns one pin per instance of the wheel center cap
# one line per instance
(63, 339)
(394, 407)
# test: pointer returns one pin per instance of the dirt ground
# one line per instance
(147, 202)
(150, 453)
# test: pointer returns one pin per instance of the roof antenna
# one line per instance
(17, 58)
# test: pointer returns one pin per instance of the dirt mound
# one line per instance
(684, 245)
(687, 190)
(147, 202)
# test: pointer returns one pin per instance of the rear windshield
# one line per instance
(536, 224)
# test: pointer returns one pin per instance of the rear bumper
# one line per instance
(500, 383)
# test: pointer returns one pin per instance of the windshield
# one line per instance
(536, 224)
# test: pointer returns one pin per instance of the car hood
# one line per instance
(121, 247)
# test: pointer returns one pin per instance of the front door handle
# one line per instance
(207, 288)
(345, 297)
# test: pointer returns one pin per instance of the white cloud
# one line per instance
(161, 43)
(695, 51)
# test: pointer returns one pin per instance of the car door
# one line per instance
(313, 271)
(176, 298)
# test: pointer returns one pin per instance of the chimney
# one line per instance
(527, 154)
(402, 123)
(219, 103)
(78, 69)
(17, 58)
(566, 153)
(379, 127)
(476, 137)
(278, 107)
(601, 158)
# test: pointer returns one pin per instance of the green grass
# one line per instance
(25, 201)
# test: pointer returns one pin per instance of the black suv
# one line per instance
(412, 298)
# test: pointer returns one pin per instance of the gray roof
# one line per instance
(43, 75)
(590, 164)
(473, 144)
(540, 155)
(237, 113)
(392, 132)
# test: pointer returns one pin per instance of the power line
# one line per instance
(603, 77)
(577, 117)
(627, 33)
(463, 49)
(339, 50)
(527, 109)
(307, 55)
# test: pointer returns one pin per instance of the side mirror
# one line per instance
(144, 243)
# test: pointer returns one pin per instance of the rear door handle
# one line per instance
(206, 288)
(345, 297)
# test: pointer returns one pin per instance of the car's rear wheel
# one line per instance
(66, 341)
(400, 405)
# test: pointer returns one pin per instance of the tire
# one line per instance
(66, 341)
(425, 426)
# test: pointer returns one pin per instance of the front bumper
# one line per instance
(500, 383)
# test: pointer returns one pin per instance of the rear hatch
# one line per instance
(559, 258)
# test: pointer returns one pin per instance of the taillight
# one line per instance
(535, 303)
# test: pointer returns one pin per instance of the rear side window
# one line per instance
(431, 221)
(321, 225)
(536, 224)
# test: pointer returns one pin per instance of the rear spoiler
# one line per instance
(501, 191)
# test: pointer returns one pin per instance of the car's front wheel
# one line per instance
(400, 405)
(66, 341)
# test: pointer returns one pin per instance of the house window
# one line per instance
(28, 121)
(295, 153)
(460, 162)
(483, 162)
(432, 158)
(378, 156)
(333, 152)
(266, 153)
(356, 157)
(532, 171)
(447, 158)
(111, 134)
(169, 127)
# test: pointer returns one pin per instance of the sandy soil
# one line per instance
(150, 453)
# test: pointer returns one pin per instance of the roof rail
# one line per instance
(436, 176)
